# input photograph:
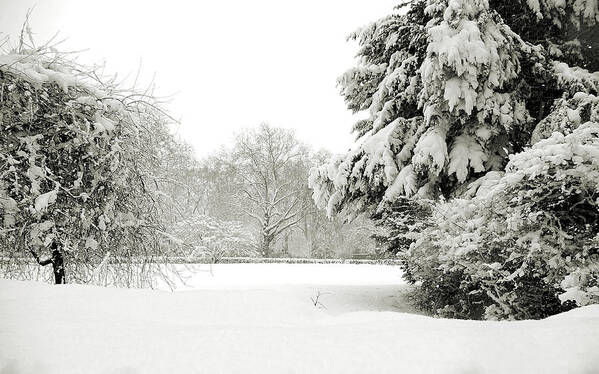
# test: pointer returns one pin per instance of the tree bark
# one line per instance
(266, 242)
(286, 244)
(57, 266)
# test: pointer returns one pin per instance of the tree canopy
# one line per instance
(452, 88)
(77, 156)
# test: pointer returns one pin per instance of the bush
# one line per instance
(78, 155)
(525, 246)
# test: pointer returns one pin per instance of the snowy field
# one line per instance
(260, 318)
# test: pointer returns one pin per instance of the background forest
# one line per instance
(252, 199)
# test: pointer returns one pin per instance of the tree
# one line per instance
(450, 90)
(523, 245)
(455, 91)
(567, 30)
(335, 237)
(177, 184)
(218, 195)
(205, 236)
(220, 178)
(77, 154)
(269, 162)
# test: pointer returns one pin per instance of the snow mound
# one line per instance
(273, 328)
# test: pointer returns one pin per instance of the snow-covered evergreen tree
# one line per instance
(478, 152)
(522, 243)
(450, 90)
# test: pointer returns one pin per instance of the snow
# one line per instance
(465, 152)
(259, 318)
(44, 200)
(32, 68)
(567, 76)
(405, 183)
(553, 9)
(259, 275)
(431, 150)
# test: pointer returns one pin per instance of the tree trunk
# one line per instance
(266, 241)
(57, 262)
(58, 268)
(286, 245)
(59, 275)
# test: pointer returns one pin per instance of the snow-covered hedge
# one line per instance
(526, 246)
(281, 260)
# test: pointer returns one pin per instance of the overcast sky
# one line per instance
(230, 64)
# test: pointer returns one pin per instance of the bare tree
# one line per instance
(270, 163)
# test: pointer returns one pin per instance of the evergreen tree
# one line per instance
(479, 152)
(451, 90)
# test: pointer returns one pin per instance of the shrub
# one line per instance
(526, 244)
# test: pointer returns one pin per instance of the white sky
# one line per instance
(231, 64)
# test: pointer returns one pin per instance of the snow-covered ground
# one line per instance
(260, 318)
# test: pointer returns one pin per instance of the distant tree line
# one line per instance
(91, 174)
(252, 199)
